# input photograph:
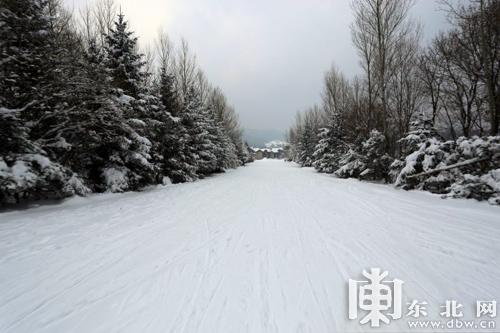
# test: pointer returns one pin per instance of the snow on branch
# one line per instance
(6, 111)
(449, 167)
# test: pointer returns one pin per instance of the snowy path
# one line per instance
(265, 248)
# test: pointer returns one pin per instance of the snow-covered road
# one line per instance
(265, 248)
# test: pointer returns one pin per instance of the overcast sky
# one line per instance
(269, 56)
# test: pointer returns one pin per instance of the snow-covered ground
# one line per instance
(265, 248)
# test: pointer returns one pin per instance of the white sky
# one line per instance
(269, 56)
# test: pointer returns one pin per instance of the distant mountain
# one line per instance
(276, 144)
(259, 137)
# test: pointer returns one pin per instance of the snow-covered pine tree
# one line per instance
(139, 109)
(179, 163)
(167, 92)
(247, 153)
(228, 130)
(94, 138)
(368, 161)
(170, 146)
(242, 153)
(202, 137)
(376, 160)
(123, 61)
(26, 173)
(25, 48)
(307, 144)
(228, 152)
(421, 130)
(190, 153)
(28, 79)
(95, 55)
(90, 130)
(321, 156)
(331, 146)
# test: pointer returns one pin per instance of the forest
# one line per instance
(84, 109)
(420, 116)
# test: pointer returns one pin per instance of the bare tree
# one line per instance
(105, 12)
(86, 25)
(224, 113)
(337, 93)
(432, 81)
(149, 64)
(165, 52)
(95, 21)
(479, 29)
(202, 86)
(60, 20)
(461, 96)
(185, 69)
(406, 94)
(379, 26)
(364, 41)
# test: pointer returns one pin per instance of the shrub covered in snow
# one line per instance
(429, 155)
(478, 187)
(244, 153)
(420, 132)
(370, 163)
(34, 176)
(26, 173)
(329, 151)
(376, 160)
(352, 165)
(465, 168)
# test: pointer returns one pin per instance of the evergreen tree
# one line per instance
(179, 162)
(243, 153)
(123, 62)
(76, 119)
(167, 92)
(367, 162)
(306, 145)
(229, 153)
(247, 153)
(200, 127)
(331, 146)
(27, 81)
(26, 46)
(26, 173)
(421, 130)
(172, 139)
(95, 55)
(91, 131)
(377, 162)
